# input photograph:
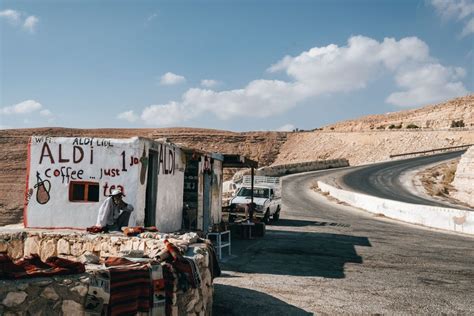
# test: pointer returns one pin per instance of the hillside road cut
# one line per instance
(327, 258)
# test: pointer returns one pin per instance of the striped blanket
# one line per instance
(127, 288)
(130, 290)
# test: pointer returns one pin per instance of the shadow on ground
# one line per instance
(303, 223)
(285, 252)
(250, 302)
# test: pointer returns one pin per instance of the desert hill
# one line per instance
(439, 116)
(357, 140)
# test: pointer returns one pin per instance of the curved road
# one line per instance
(383, 179)
(324, 257)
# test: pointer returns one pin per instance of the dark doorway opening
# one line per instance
(151, 189)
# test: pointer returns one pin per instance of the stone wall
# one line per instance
(284, 169)
(65, 295)
(464, 179)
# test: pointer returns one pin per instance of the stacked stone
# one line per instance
(73, 245)
(198, 301)
(63, 295)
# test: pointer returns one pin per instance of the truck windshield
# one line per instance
(257, 192)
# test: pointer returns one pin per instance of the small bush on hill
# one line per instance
(459, 123)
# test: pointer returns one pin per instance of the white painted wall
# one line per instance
(57, 162)
(169, 204)
(56, 159)
(431, 216)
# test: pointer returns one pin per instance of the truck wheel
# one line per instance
(276, 216)
(266, 217)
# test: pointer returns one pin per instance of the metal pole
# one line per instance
(251, 186)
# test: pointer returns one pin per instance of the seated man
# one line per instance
(114, 213)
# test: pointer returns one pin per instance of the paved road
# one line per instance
(323, 257)
(383, 179)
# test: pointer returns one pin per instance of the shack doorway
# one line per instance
(151, 189)
(191, 193)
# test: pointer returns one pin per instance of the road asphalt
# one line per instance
(384, 179)
(322, 257)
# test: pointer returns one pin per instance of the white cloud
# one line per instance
(11, 16)
(167, 114)
(30, 23)
(25, 107)
(286, 128)
(468, 28)
(129, 116)
(46, 113)
(324, 70)
(209, 83)
(151, 17)
(428, 84)
(170, 78)
(458, 10)
(17, 18)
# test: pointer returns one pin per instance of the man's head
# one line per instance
(116, 196)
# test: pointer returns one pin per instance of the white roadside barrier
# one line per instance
(451, 219)
(298, 167)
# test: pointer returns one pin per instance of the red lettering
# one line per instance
(105, 188)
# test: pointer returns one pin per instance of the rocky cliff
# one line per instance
(366, 147)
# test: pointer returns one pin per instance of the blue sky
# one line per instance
(235, 65)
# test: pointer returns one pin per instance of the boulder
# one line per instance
(14, 298)
(50, 294)
(72, 308)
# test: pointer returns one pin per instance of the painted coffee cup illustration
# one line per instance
(42, 189)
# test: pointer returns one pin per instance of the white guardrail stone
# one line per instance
(298, 167)
(451, 219)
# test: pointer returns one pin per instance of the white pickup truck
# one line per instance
(266, 196)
